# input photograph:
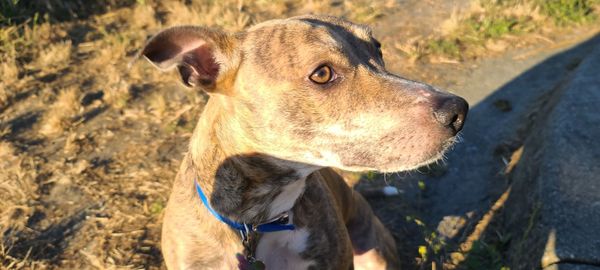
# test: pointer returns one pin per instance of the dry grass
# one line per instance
(9, 70)
(60, 114)
(57, 54)
(17, 188)
(144, 17)
(10, 73)
(227, 14)
(158, 104)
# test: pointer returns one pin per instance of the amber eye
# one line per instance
(322, 75)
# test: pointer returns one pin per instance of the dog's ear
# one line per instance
(202, 55)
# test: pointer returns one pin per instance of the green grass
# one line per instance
(499, 19)
(566, 12)
(448, 47)
(475, 31)
(494, 27)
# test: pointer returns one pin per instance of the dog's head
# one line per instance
(313, 89)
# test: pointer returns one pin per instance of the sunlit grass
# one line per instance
(466, 34)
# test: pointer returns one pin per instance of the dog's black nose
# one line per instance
(451, 112)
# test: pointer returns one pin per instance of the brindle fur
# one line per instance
(267, 135)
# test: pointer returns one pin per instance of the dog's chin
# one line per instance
(393, 166)
(397, 164)
(432, 157)
(410, 167)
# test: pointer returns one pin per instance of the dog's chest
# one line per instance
(281, 250)
(287, 198)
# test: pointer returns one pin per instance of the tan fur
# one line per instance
(268, 134)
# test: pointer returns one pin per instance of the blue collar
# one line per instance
(272, 226)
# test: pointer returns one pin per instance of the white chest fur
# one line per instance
(287, 198)
(281, 250)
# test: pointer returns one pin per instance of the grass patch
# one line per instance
(467, 35)
(449, 47)
(493, 27)
(566, 12)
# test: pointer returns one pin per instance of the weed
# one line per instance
(490, 27)
(449, 47)
(435, 244)
(156, 207)
(423, 253)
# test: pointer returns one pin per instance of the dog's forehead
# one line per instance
(295, 44)
(317, 24)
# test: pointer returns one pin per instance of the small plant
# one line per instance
(491, 27)
(156, 207)
(449, 47)
(435, 244)
(423, 253)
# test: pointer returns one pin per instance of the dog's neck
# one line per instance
(240, 184)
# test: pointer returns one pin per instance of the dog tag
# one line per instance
(249, 264)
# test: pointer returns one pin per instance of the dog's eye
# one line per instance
(322, 75)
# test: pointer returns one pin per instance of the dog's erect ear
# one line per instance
(202, 55)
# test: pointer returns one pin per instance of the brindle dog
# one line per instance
(288, 99)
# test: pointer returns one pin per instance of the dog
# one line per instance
(289, 100)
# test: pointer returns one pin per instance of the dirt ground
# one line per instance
(89, 145)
